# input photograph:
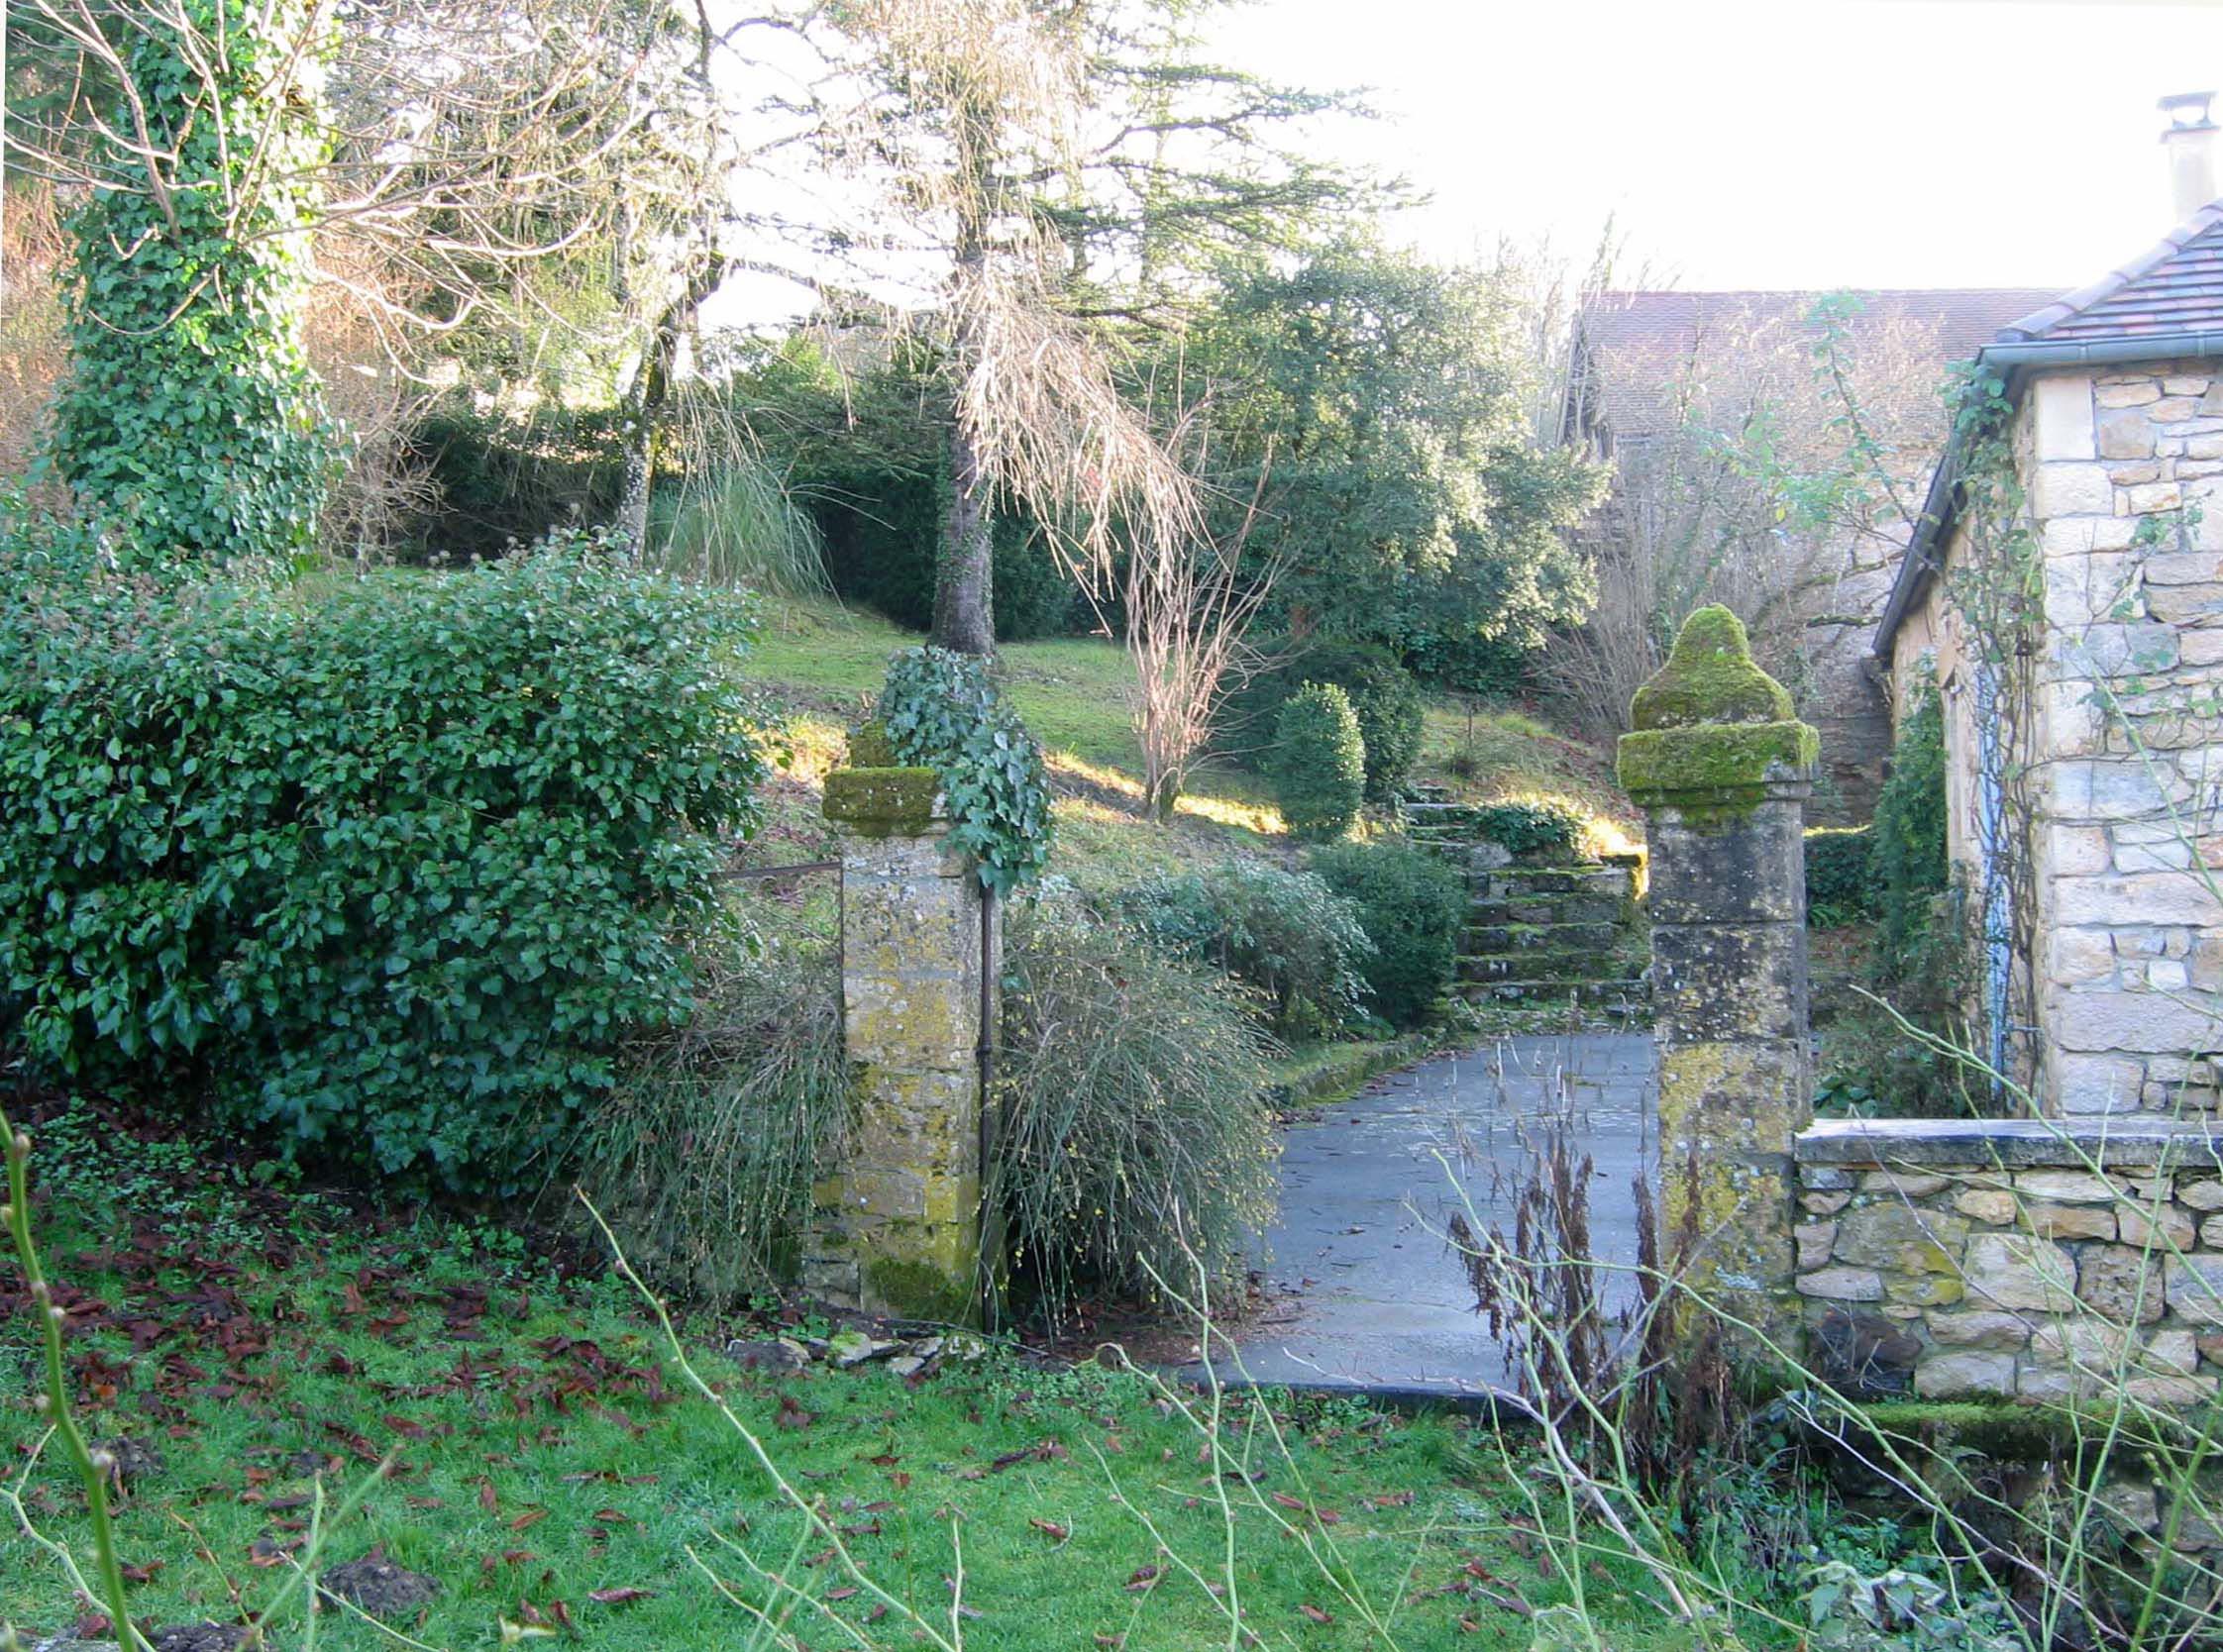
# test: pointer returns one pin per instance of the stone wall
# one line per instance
(2132, 937)
(2122, 745)
(2012, 1259)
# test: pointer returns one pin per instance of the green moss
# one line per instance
(920, 1290)
(1724, 763)
(2002, 1430)
(1710, 677)
(869, 746)
(883, 802)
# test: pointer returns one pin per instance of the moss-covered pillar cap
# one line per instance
(875, 796)
(1712, 727)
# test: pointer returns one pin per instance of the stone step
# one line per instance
(1518, 882)
(1546, 909)
(1482, 939)
(1530, 965)
(1629, 993)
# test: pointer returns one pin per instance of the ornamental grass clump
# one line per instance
(1134, 1137)
(703, 1157)
(390, 868)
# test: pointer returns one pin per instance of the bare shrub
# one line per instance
(32, 350)
(1781, 481)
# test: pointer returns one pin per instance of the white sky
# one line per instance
(1776, 144)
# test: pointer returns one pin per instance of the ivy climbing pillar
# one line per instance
(1722, 769)
(897, 1229)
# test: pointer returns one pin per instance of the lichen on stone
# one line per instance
(883, 802)
(1710, 677)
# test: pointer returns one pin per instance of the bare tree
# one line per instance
(1779, 478)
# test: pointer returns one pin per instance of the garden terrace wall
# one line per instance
(2012, 1257)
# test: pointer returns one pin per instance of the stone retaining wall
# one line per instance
(2012, 1259)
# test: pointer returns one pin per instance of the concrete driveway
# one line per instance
(1363, 1290)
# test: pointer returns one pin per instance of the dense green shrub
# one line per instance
(1923, 947)
(1133, 1130)
(1413, 906)
(1386, 701)
(1533, 831)
(1318, 762)
(1294, 943)
(1838, 889)
(1385, 698)
(189, 418)
(1907, 859)
(941, 710)
(499, 482)
(703, 1157)
(392, 865)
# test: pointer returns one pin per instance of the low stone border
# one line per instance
(2027, 1258)
(2126, 1141)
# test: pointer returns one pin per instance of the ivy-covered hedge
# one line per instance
(390, 868)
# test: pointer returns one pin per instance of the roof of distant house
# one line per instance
(1650, 338)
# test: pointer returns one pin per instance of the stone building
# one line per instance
(2063, 589)
(1651, 368)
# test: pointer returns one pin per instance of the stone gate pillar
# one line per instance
(897, 1230)
(1722, 769)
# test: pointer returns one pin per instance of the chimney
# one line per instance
(2189, 139)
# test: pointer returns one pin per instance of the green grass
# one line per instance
(269, 1347)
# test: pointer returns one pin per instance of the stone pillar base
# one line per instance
(897, 1230)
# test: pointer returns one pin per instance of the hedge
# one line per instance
(390, 866)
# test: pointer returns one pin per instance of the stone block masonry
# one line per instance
(896, 1231)
(1722, 770)
(2124, 749)
(2013, 1259)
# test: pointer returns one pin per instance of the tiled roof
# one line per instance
(2173, 288)
(1635, 347)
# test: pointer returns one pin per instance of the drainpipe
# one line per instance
(1991, 851)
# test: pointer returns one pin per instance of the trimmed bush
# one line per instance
(1412, 905)
(392, 867)
(1385, 698)
(1133, 1127)
(1386, 701)
(1839, 887)
(1318, 762)
(1295, 944)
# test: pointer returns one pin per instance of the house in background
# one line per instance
(1650, 372)
(2085, 743)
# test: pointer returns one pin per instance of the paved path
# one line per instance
(1363, 1290)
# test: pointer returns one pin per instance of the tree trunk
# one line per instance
(965, 576)
(653, 388)
(965, 583)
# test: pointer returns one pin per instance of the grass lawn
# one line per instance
(269, 1347)
(823, 664)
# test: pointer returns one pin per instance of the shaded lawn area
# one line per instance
(262, 1344)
